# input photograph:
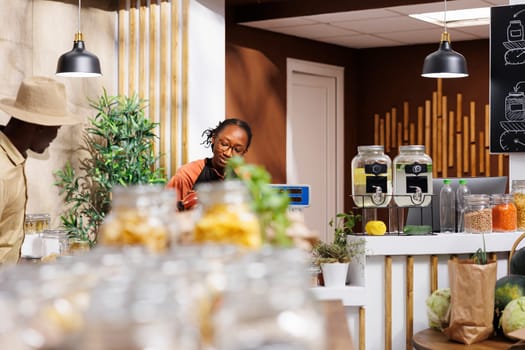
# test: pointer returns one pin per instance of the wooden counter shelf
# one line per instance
(431, 339)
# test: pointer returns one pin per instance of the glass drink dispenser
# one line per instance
(412, 177)
(371, 177)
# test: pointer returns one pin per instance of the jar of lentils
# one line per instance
(478, 214)
(504, 213)
(518, 192)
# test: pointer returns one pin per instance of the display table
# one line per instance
(337, 331)
(430, 339)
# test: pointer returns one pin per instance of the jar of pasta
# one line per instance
(140, 215)
(226, 215)
(504, 213)
(518, 192)
(478, 214)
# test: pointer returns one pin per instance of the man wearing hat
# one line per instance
(40, 109)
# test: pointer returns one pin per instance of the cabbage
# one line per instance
(513, 316)
(438, 308)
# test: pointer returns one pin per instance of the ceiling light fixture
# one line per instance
(78, 62)
(457, 18)
(445, 62)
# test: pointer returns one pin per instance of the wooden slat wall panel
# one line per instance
(362, 328)
(409, 301)
(388, 303)
(458, 143)
(153, 63)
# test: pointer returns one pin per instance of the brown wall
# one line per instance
(375, 81)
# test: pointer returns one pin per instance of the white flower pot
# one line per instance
(334, 274)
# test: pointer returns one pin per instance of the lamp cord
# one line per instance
(445, 16)
(79, 6)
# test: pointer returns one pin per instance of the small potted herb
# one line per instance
(334, 257)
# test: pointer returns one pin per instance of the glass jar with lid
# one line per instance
(478, 214)
(504, 213)
(226, 215)
(371, 177)
(412, 177)
(140, 215)
(518, 192)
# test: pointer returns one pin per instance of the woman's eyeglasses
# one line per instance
(224, 146)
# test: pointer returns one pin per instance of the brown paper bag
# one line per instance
(472, 301)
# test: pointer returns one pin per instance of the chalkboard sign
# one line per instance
(507, 79)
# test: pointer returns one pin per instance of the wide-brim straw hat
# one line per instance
(42, 101)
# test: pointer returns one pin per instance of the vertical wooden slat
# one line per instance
(185, 86)
(459, 156)
(409, 311)
(459, 128)
(388, 302)
(439, 93)
(466, 162)
(132, 64)
(399, 134)
(433, 273)
(122, 54)
(174, 98)
(381, 131)
(500, 164)
(428, 127)
(362, 328)
(376, 129)
(451, 136)
(487, 140)
(164, 80)
(142, 48)
(459, 111)
(405, 121)
(439, 148)
(387, 132)
(472, 139)
(152, 86)
(394, 126)
(481, 152)
(444, 134)
(412, 134)
(434, 132)
(420, 126)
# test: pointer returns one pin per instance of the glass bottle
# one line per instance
(518, 192)
(461, 193)
(371, 177)
(412, 177)
(478, 214)
(140, 215)
(447, 208)
(504, 213)
(226, 215)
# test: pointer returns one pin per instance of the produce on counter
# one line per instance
(513, 316)
(517, 262)
(375, 228)
(438, 308)
(417, 229)
(508, 288)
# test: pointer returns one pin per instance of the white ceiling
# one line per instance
(378, 27)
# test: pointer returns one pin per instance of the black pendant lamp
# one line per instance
(445, 62)
(78, 62)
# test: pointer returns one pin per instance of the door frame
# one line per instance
(313, 68)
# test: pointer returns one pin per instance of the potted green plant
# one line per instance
(334, 257)
(119, 148)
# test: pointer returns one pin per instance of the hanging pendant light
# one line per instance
(78, 62)
(445, 62)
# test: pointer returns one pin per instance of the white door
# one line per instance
(314, 139)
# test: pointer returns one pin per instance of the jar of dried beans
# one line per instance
(518, 191)
(478, 214)
(504, 213)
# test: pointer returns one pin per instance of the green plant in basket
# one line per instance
(339, 250)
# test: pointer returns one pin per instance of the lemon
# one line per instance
(375, 228)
